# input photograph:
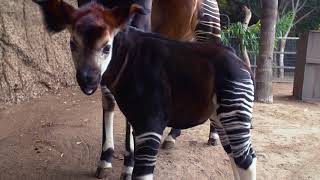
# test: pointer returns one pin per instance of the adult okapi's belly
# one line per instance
(190, 113)
(191, 93)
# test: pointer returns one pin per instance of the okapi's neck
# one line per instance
(115, 70)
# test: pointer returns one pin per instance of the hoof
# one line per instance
(125, 176)
(168, 145)
(212, 142)
(102, 172)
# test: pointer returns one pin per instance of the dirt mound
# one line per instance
(32, 62)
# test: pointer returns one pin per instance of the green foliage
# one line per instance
(284, 24)
(248, 36)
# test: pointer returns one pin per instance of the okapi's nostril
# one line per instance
(88, 77)
(88, 81)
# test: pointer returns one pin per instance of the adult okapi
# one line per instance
(184, 20)
(153, 79)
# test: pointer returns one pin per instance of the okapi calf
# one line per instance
(183, 20)
(159, 82)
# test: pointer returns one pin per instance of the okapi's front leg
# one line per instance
(147, 137)
(147, 146)
(108, 104)
(129, 154)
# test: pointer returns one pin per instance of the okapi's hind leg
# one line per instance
(234, 97)
(108, 104)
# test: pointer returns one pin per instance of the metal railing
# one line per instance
(281, 73)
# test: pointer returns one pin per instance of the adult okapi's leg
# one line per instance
(129, 154)
(170, 140)
(108, 104)
(235, 95)
(207, 30)
(140, 21)
(213, 135)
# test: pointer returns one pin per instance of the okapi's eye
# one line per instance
(73, 45)
(106, 49)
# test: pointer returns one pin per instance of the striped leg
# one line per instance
(129, 154)
(108, 104)
(208, 28)
(146, 151)
(235, 101)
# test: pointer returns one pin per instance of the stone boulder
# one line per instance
(32, 62)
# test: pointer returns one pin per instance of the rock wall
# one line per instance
(32, 62)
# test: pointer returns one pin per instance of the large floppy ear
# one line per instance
(57, 14)
(124, 14)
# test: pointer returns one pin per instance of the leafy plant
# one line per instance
(249, 37)
(284, 24)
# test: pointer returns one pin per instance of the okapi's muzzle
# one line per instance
(88, 80)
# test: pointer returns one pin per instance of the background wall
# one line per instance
(32, 62)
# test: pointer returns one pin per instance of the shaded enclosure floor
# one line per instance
(59, 137)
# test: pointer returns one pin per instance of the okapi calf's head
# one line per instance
(92, 28)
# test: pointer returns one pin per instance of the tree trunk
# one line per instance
(282, 48)
(246, 21)
(264, 65)
(281, 57)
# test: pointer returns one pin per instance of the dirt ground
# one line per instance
(59, 136)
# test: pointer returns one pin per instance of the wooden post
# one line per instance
(307, 72)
